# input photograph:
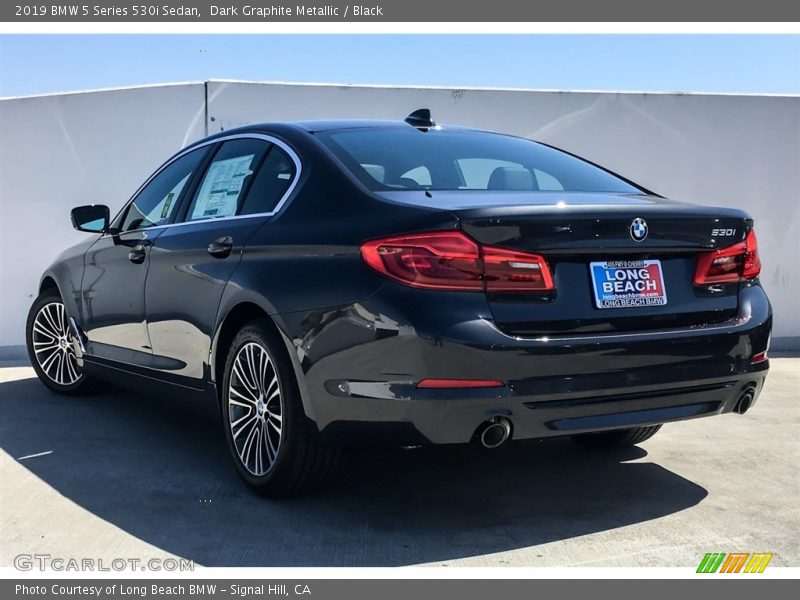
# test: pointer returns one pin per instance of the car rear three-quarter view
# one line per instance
(343, 283)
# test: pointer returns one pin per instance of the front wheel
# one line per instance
(618, 438)
(51, 346)
(268, 434)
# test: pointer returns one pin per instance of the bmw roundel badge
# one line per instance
(638, 230)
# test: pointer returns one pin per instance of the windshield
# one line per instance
(404, 158)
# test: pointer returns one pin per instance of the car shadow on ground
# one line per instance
(158, 469)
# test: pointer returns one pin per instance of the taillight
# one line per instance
(449, 260)
(752, 262)
(508, 271)
(446, 260)
(730, 264)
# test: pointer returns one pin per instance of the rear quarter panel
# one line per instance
(306, 262)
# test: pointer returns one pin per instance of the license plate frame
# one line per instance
(640, 285)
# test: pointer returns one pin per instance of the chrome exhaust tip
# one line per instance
(494, 432)
(744, 402)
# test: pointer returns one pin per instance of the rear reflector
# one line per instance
(731, 264)
(459, 383)
(449, 260)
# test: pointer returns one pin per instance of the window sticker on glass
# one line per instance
(222, 186)
(167, 204)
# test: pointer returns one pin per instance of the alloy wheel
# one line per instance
(53, 345)
(255, 408)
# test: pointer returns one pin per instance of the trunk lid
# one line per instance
(576, 232)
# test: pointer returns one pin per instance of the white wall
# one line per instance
(59, 151)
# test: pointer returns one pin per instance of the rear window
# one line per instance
(400, 158)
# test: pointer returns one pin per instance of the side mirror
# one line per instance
(94, 218)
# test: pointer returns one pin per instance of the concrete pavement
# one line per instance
(118, 475)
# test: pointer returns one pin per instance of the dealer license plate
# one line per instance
(628, 283)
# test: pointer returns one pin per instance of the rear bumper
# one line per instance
(359, 367)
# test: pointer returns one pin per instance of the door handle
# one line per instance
(137, 254)
(221, 247)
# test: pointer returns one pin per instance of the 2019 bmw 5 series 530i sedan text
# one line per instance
(346, 282)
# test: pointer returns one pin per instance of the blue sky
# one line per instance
(33, 64)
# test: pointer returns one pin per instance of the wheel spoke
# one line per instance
(72, 368)
(273, 402)
(48, 319)
(64, 321)
(264, 364)
(251, 447)
(56, 319)
(245, 453)
(258, 450)
(245, 421)
(240, 374)
(251, 366)
(274, 394)
(250, 399)
(40, 328)
(272, 451)
(61, 360)
(235, 402)
(46, 348)
(57, 363)
(243, 418)
(271, 420)
(273, 387)
(49, 362)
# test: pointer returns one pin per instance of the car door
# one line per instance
(116, 265)
(192, 261)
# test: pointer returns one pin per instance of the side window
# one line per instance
(157, 202)
(224, 186)
(270, 183)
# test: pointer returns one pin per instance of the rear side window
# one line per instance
(225, 183)
(157, 202)
(271, 182)
(404, 158)
(245, 177)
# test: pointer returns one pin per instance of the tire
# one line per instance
(618, 438)
(269, 436)
(50, 346)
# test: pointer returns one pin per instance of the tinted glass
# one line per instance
(271, 182)
(157, 202)
(400, 158)
(226, 181)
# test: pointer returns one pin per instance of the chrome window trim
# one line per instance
(259, 136)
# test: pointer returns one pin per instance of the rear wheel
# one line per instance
(51, 346)
(268, 434)
(618, 438)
